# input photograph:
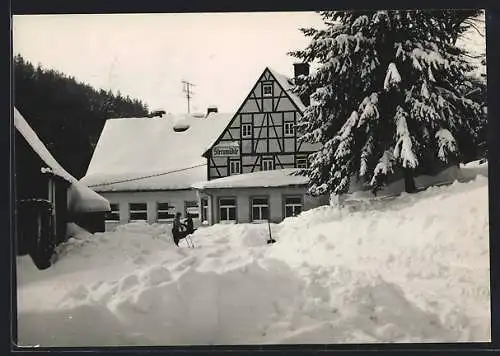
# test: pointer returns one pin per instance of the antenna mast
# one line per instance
(189, 93)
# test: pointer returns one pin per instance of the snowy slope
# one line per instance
(415, 269)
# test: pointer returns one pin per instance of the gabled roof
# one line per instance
(287, 86)
(81, 198)
(274, 178)
(148, 154)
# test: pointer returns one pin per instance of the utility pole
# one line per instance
(189, 94)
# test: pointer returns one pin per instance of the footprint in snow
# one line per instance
(139, 260)
(128, 282)
(429, 221)
(96, 285)
(185, 263)
(217, 253)
(330, 246)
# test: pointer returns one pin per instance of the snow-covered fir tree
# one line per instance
(389, 96)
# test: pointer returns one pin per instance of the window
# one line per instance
(192, 209)
(246, 130)
(165, 212)
(293, 206)
(204, 209)
(267, 89)
(289, 128)
(302, 162)
(260, 209)
(267, 164)
(138, 211)
(234, 167)
(114, 214)
(227, 210)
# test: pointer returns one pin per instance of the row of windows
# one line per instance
(266, 164)
(164, 211)
(227, 210)
(259, 208)
(246, 129)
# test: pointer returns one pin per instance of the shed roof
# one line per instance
(273, 178)
(81, 198)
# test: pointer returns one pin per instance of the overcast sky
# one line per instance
(147, 56)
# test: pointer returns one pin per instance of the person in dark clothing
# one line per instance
(189, 224)
(178, 229)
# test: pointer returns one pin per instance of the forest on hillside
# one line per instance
(67, 115)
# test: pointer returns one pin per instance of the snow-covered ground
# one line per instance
(411, 269)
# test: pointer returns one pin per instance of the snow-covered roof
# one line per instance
(37, 145)
(287, 85)
(147, 154)
(81, 198)
(273, 178)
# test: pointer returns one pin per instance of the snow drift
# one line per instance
(412, 269)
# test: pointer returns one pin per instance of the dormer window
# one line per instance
(267, 89)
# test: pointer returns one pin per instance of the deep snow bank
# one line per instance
(414, 268)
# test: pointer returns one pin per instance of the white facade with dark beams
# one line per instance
(251, 152)
(250, 164)
(262, 134)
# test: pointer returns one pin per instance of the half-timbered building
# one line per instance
(259, 145)
(145, 166)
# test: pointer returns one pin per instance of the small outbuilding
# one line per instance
(48, 198)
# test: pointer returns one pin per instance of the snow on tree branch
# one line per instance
(383, 167)
(366, 152)
(446, 144)
(356, 120)
(392, 76)
(404, 146)
(346, 130)
(368, 109)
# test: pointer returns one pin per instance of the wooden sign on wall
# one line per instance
(226, 150)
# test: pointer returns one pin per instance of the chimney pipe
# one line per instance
(301, 69)
(212, 109)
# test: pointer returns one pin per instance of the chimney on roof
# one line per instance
(212, 109)
(157, 113)
(298, 70)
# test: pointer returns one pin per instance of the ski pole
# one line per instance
(271, 240)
